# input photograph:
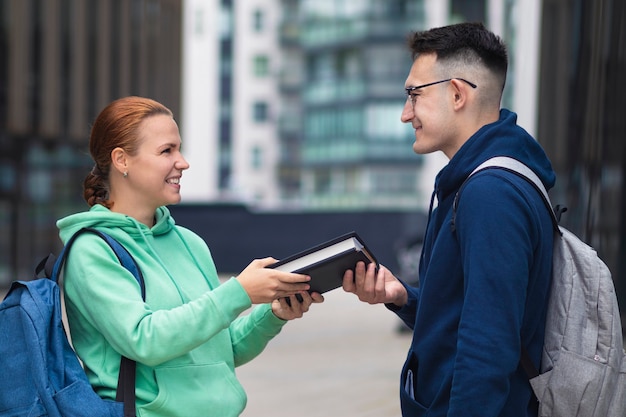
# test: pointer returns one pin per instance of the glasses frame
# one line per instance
(409, 90)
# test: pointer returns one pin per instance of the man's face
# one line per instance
(429, 109)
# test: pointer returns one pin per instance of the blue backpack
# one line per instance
(41, 374)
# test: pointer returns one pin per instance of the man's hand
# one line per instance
(374, 287)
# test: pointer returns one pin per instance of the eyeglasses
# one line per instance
(413, 97)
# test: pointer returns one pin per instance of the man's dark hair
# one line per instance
(465, 41)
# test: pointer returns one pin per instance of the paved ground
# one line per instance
(343, 358)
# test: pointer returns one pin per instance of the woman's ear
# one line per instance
(118, 160)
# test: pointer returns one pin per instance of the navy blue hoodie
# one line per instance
(483, 285)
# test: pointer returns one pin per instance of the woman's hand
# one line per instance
(295, 308)
(264, 285)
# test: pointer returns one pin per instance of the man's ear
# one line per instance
(118, 160)
(459, 93)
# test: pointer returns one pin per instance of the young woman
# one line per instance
(188, 336)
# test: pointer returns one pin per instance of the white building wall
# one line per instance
(526, 70)
(257, 185)
(200, 106)
(437, 13)
(495, 16)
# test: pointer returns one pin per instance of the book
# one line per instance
(327, 262)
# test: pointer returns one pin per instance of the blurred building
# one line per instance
(61, 63)
(296, 103)
(281, 103)
(354, 152)
(582, 123)
(230, 100)
(302, 108)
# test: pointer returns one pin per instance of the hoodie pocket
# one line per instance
(410, 406)
(197, 390)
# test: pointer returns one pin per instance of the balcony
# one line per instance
(325, 33)
(325, 92)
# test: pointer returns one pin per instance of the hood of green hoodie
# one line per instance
(100, 217)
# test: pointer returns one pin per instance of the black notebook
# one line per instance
(327, 262)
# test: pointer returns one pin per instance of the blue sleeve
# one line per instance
(496, 231)
(407, 312)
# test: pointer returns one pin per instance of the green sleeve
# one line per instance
(104, 301)
(251, 333)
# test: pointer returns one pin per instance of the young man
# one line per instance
(484, 276)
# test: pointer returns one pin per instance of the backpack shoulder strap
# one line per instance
(120, 251)
(519, 168)
(513, 165)
(127, 375)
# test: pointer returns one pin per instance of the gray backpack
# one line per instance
(583, 367)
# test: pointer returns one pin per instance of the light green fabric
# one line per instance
(187, 337)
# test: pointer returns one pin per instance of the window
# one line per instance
(260, 111)
(332, 123)
(258, 20)
(465, 11)
(320, 67)
(390, 181)
(257, 157)
(261, 66)
(322, 182)
(334, 8)
(379, 58)
(226, 23)
(198, 22)
(382, 122)
(348, 64)
(393, 8)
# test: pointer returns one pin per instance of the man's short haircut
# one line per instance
(469, 43)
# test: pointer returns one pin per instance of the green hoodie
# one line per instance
(187, 338)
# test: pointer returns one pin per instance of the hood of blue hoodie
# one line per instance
(101, 218)
(501, 138)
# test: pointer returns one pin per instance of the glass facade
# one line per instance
(352, 100)
(60, 65)
(581, 122)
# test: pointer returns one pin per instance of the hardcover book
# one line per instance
(327, 262)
